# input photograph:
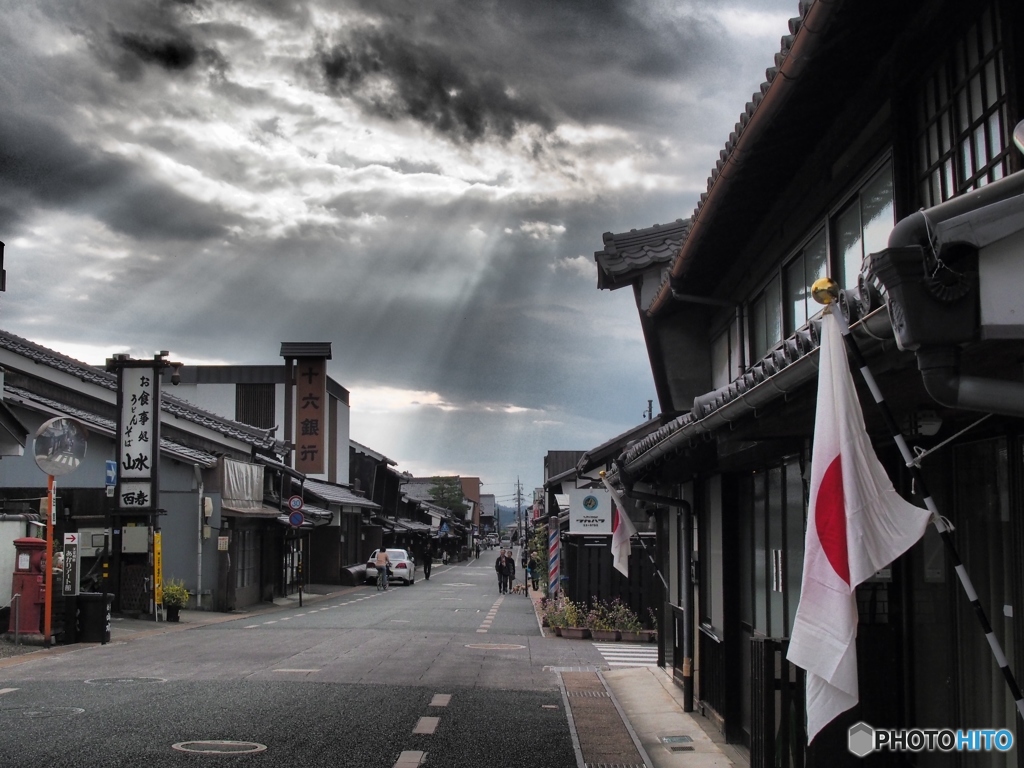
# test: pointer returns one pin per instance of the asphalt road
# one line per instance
(344, 681)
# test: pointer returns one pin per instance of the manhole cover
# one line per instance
(495, 646)
(124, 680)
(220, 747)
(43, 711)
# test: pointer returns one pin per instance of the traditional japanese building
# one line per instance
(870, 113)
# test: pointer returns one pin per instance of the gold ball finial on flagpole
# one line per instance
(601, 473)
(825, 290)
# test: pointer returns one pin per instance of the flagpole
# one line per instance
(825, 291)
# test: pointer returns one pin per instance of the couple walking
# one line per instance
(505, 567)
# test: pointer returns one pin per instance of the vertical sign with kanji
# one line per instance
(138, 437)
(310, 414)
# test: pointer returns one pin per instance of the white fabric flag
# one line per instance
(856, 525)
(622, 530)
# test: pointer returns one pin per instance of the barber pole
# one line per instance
(554, 556)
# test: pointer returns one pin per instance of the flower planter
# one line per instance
(173, 613)
(576, 633)
(642, 636)
(604, 634)
(556, 630)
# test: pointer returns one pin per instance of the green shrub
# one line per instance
(175, 594)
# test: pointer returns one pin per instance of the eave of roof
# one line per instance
(628, 254)
(168, 403)
(102, 425)
(337, 494)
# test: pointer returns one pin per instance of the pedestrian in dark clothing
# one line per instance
(428, 557)
(510, 564)
(531, 571)
(501, 568)
(478, 550)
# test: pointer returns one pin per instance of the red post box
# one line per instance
(28, 582)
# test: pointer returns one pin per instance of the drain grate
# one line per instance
(675, 739)
(587, 694)
(680, 748)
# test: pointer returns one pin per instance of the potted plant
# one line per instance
(575, 622)
(175, 598)
(554, 615)
(599, 621)
(627, 622)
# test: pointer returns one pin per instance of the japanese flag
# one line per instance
(622, 530)
(856, 525)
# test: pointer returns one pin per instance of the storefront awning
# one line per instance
(263, 510)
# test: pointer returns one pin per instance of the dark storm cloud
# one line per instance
(40, 166)
(603, 61)
(399, 78)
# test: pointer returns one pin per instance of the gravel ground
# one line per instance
(8, 649)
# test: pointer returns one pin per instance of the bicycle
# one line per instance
(382, 579)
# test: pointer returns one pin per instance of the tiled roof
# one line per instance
(336, 494)
(628, 253)
(107, 426)
(169, 404)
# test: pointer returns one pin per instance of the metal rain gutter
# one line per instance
(787, 368)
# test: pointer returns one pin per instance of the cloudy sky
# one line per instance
(421, 182)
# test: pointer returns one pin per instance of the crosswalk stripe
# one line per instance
(619, 655)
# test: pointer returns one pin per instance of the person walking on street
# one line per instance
(502, 570)
(478, 550)
(428, 557)
(383, 565)
(510, 569)
(531, 571)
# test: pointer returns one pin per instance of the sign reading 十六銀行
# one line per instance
(310, 414)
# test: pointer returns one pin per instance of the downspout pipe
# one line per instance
(973, 220)
(948, 386)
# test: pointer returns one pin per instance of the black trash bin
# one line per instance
(94, 617)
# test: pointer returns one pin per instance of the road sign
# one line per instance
(110, 479)
(295, 503)
(69, 576)
(296, 518)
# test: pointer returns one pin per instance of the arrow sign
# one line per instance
(70, 538)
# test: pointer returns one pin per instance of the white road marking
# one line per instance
(440, 700)
(296, 670)
(426, 725)
(410, 759)
(7, 690)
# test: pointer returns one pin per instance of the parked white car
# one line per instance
(403, 567)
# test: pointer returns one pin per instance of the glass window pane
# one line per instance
(795, 294)
(720, 361)
(991, 84)
(947, 181)
(963, 121)
(995, 133)
(815, 266)
(776, 587)
(848, 245)
(987, 40)
(758, 340)
(877, 211)
(761, 561)
(977, 108)
(980, 153)
(795, 515)
(933, 144)
(966, 165)
(773, 313)
(972, 47)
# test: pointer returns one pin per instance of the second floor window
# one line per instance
(863, 227)
(961, 116)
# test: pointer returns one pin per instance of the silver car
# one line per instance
(403, 567)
